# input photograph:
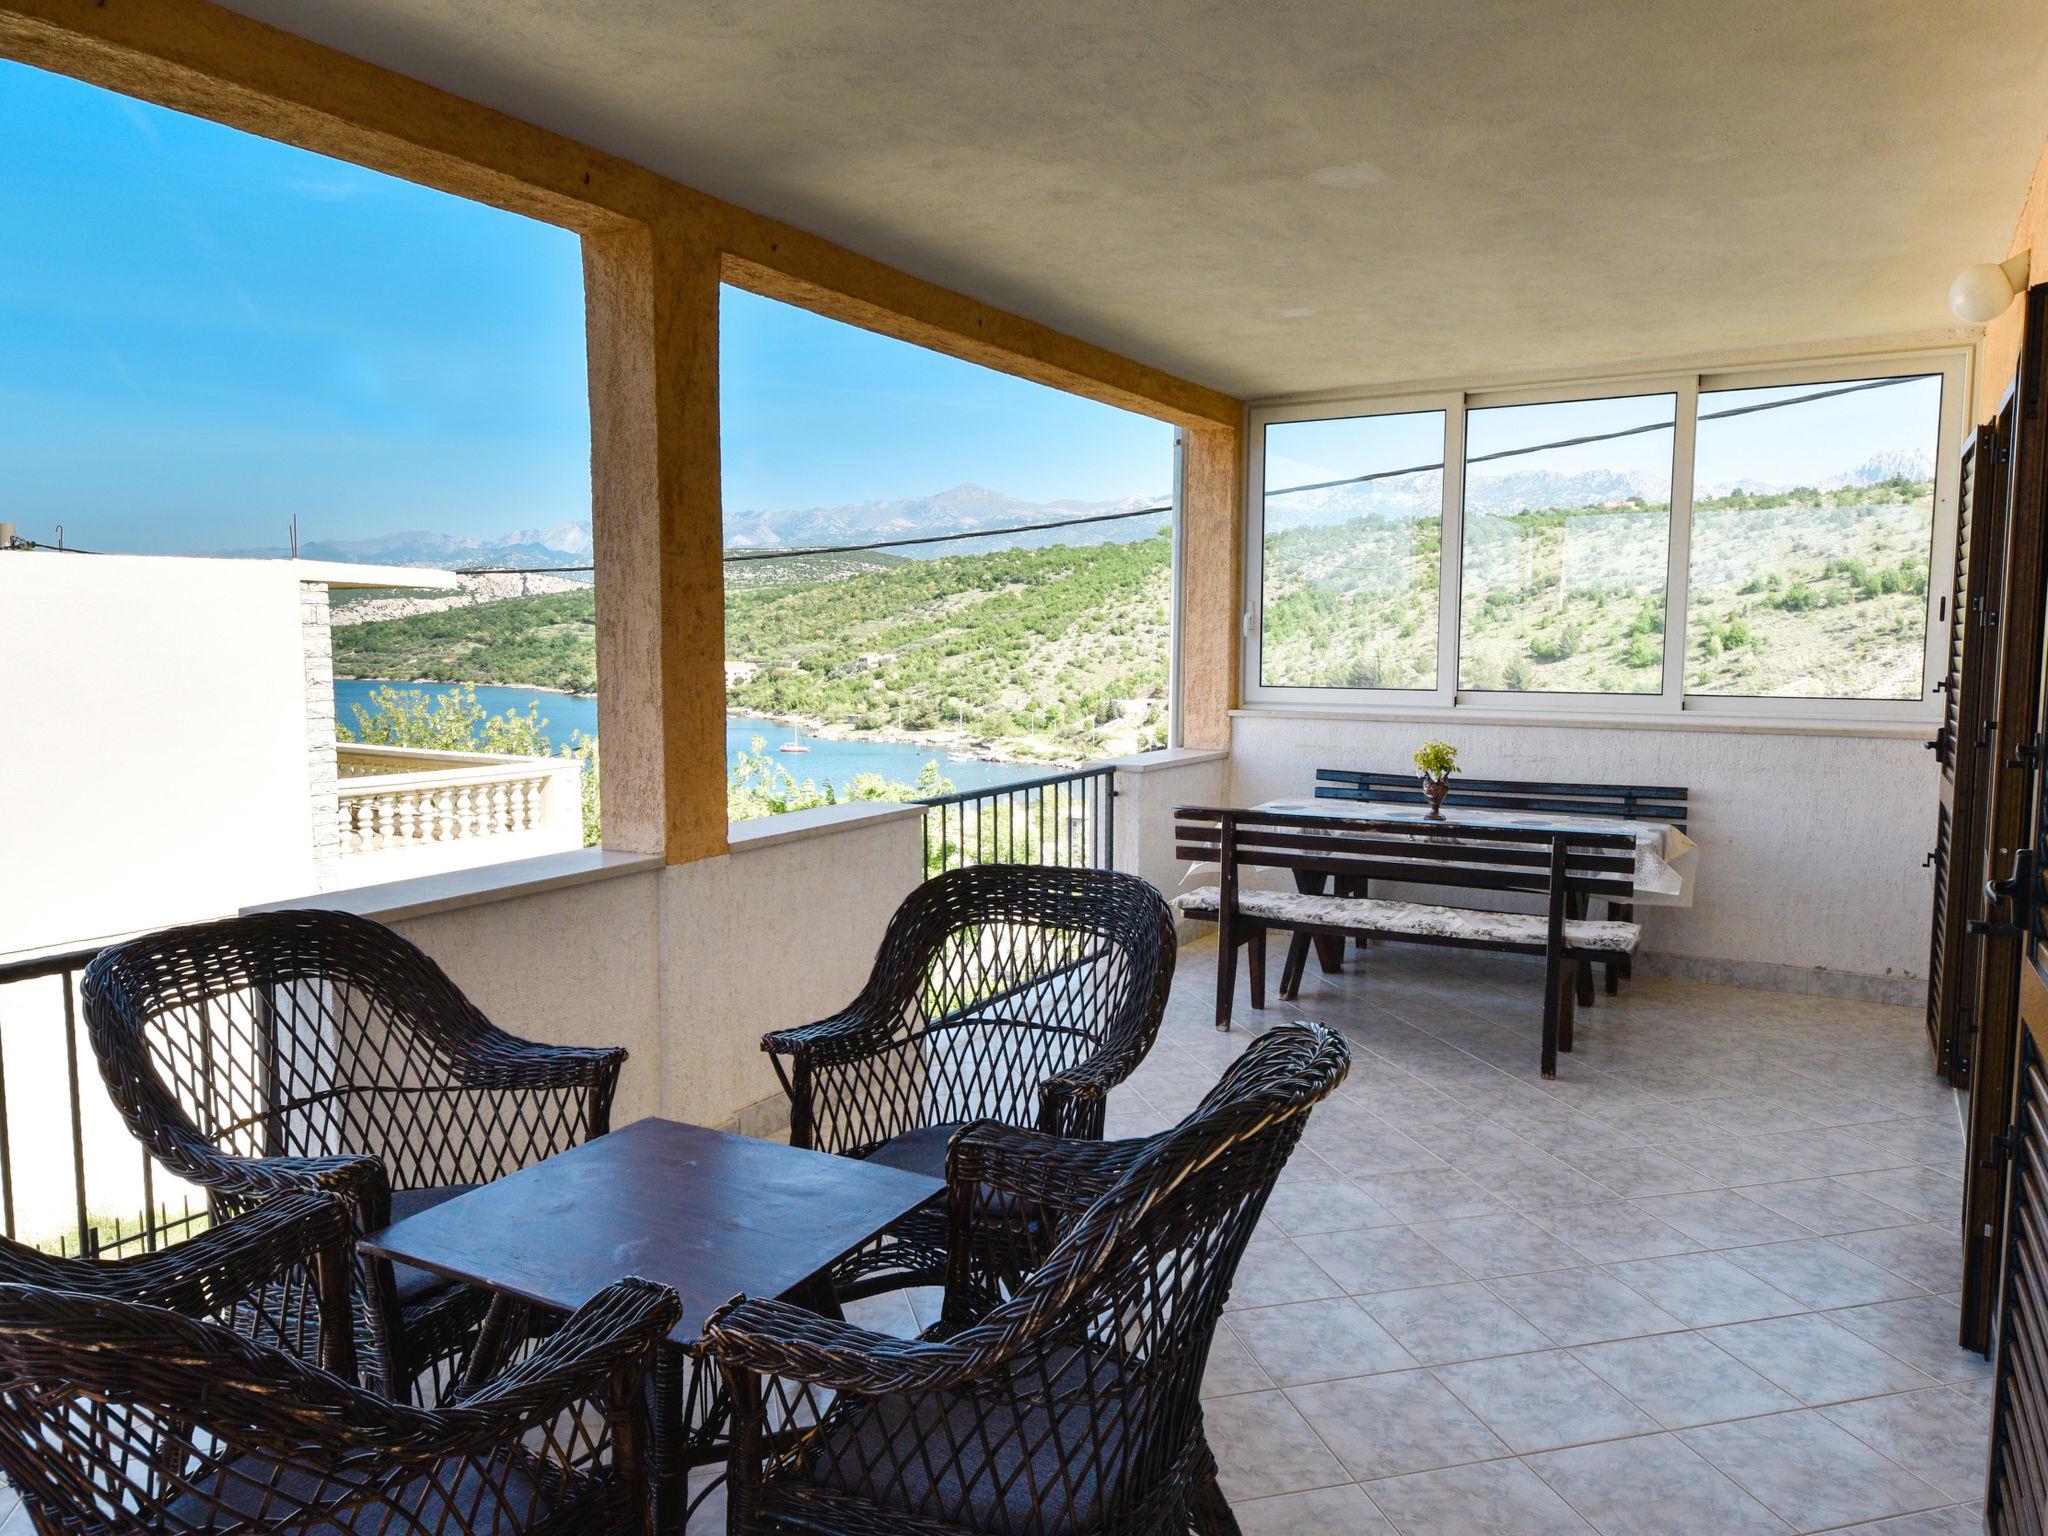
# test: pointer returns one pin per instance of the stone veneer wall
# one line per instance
(322, 775)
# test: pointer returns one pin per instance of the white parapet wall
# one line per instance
(1148, 787)
(1810, 872)
(686, 966)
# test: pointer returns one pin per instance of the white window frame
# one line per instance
(1450, 543)
(1671, 704)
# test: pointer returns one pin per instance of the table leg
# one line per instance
(1582, 973)
(504, 1323)
(1616, 969)
(1329, 947)
(1297, 962)
(691, 1416)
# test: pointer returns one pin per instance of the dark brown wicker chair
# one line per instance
(317, 1050)
(127, 1406)
(1054, 1402)
(1014, 992)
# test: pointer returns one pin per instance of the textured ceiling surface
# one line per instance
(1294, 196)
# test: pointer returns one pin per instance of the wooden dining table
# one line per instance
(1665, 859)
(709, 1214)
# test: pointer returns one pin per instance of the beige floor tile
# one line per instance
(1920, 1330)
(1816, 1360)
(1384, 1426)
(1309, 1341)
(1941, 1436)
(1380, 1259)
(1263, 1447)
(1340, 1511)
(1653, 1486)
(1443, 1323)
(1583, 1306)
(1543, 1401)
(1702, 1289)
(1812, 1474)
(1488, 1498)
(1683, 1379)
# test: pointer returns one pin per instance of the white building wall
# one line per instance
(153, 743)
(1810, 874)
(316, 648)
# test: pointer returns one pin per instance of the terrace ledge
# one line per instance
(391, 901)
(1168, 757)
(422, 896)
(1685, 720)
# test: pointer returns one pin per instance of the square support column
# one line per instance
(1212, 581)
(651, 321)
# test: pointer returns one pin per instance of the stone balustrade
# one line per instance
(429, 810)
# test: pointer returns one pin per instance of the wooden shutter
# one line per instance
(2011, 831)
(2016, 1497)
(1962, 746)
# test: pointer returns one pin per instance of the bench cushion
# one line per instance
(1412, 919)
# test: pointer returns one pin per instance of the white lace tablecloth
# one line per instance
(1664, 854)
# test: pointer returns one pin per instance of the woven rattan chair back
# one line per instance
(310, 1034)
(175, 1392)
(118, 1417)
(1083, 1413)
(992, 982)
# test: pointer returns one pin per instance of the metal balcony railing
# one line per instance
(1068, 819)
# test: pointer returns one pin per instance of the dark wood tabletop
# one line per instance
(710, 1214)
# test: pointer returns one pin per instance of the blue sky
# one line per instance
(202, 332)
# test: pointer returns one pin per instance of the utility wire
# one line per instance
(1385, 474)
(738, 557)
(1594, 437)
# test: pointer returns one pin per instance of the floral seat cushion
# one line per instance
(1412, 918)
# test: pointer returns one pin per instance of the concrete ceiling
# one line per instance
(1286, 196)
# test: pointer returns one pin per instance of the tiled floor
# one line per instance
(1702, 1282)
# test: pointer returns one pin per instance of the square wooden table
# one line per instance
(709, 1214)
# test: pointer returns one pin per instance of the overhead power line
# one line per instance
(734, 557)
(793, 552)
(1593, 437)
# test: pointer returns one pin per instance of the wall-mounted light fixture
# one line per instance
(1981, 293)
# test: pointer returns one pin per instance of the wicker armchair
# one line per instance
(127, 1406)
(1056, 1402)
(1013, 992)
(317, 1050)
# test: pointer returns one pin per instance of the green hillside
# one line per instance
(1807, 592)
(1061, 653)
(1054, 652)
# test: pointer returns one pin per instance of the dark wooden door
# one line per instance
(2016, 1492)
(2011, 834)
(1962, 746)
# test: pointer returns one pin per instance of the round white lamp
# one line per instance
(1981, 293)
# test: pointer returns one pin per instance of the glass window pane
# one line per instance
(1350, 597)
(1567, 534)
(1812, 524)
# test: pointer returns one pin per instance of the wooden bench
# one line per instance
(1618, 802)
(1562, 867)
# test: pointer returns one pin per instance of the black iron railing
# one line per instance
(72, 1180)
(1068, 819)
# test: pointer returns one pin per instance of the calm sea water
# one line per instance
(838, 761)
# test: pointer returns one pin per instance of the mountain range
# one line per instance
(967, 507)
(964, 508)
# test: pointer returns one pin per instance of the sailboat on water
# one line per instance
(795, 742)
